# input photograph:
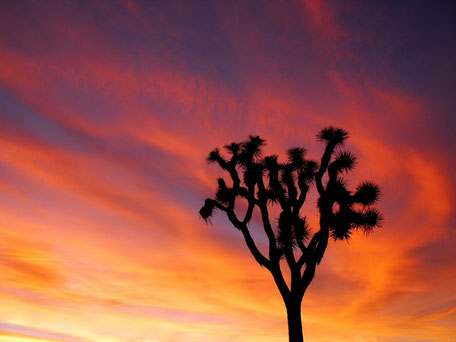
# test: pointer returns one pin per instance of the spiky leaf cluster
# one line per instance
(367, 193)
(292, 231)
(223, 193)
(250, 150)
(207, 210)
(332, 135)
(355, 210)
(343, 162)
(296, 157)
(269, 180)
(287, 184)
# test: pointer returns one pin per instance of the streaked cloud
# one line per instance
(107, 112)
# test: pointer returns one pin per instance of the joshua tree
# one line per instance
(265, 181)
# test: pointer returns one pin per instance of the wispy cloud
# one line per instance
(107, 112)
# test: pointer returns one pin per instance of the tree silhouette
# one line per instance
(265, 182)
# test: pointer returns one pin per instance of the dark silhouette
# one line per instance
(265, 182)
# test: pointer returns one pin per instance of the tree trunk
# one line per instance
(294, 321)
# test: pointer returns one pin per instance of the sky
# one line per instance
(108, 110)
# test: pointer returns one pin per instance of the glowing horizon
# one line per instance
(108, 110)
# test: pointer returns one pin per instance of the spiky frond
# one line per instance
(285, 236)
(254, 145)
(287, 174)
(369, 219)
(207, 210)
(233, 148)
(271, 162)
(223, 194)
(296, 157)
(301, 229)
(285, 240)
(343, 161)
(270, 196)
(307, 174)
(341, 232)
(367, 193)
(337, 190)
(341, 227)
(373, 217)
(311, 166)
(345, 220)
(332, 135)
(251, 149)
(213, 156)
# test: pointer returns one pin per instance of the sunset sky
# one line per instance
(108, 110)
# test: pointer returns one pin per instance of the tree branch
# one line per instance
(323, 167)
(252, 202)
(263, 205)
(274, 184)
(307, 277)
(290, 184)
(259, 257)
(304, 189)
(280, 281)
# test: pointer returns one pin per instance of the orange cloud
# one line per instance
(102, 173)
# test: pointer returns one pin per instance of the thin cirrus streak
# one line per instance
(107, 112)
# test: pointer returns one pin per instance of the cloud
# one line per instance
(18, 332)
(108, 112)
